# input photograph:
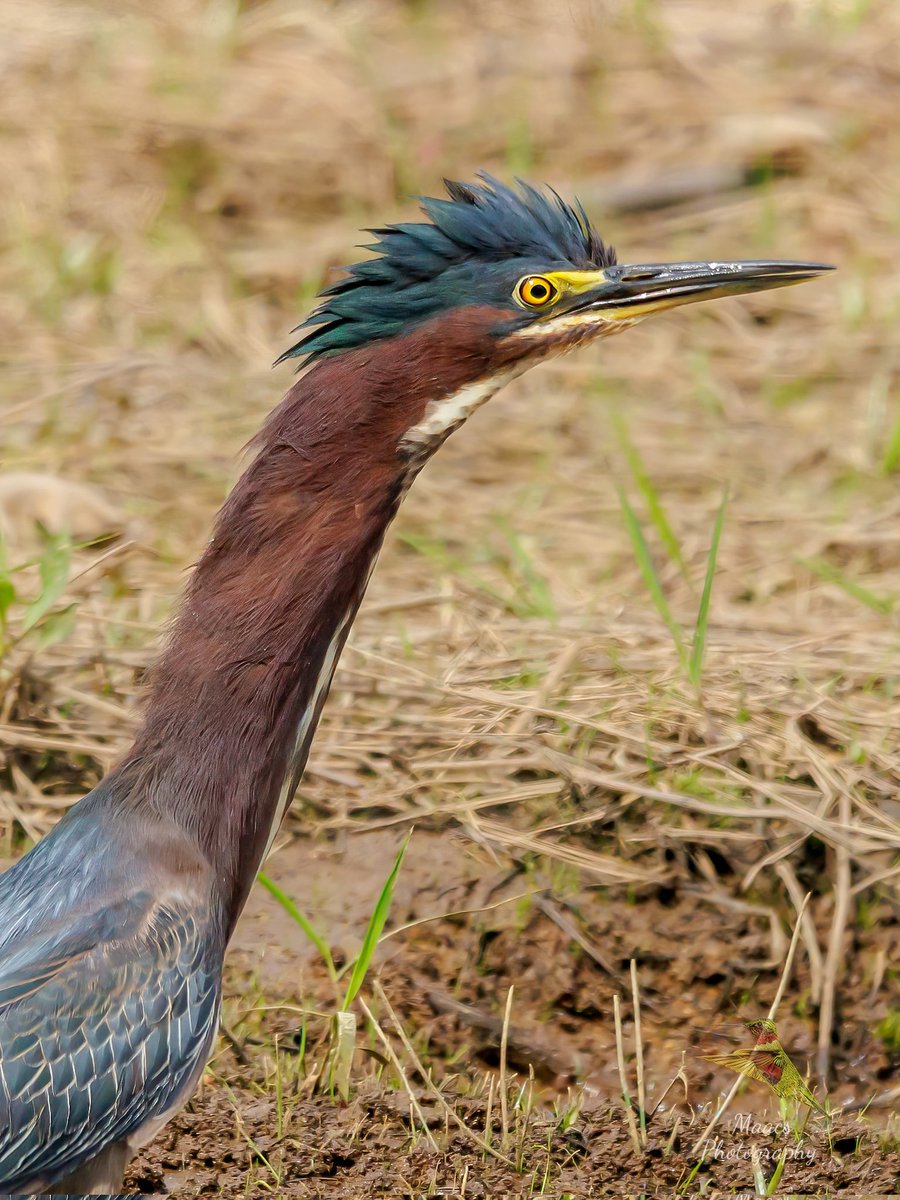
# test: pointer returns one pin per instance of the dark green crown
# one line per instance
(478, 243)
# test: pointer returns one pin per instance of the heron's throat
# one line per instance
(445, 414)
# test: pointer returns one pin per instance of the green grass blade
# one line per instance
(7, 593)
(759, 1179)
(536, 591)
(55, 627)
(296, 915)
(54, 570)
(375, 928)
(890, 461)
(655, 509)
(699, 644)
(772, 1186)
(438, 553)
(682, 1189)
(830, 574)
(651, 578)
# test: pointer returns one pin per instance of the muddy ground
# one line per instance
(700, 969)
(365, 1149)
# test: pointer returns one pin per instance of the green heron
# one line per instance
(113, 929)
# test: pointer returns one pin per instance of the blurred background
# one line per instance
(179, 180)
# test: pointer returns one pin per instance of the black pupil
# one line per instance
(539, 291)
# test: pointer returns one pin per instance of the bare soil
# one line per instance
(365, 1148)
(447, 980)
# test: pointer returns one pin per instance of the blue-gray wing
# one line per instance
(106, 1021)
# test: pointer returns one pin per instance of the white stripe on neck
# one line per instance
(441, 418)
(305, 730)
(444, 415)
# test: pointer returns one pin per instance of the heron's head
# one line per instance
(496, 279)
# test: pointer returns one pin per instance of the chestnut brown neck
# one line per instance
(235, 698)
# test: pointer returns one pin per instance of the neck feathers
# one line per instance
(235, 698)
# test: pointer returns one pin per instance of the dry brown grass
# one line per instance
(179, 178)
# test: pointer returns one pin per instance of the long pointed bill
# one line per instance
(625, 293)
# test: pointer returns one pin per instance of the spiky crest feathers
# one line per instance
(471, 250)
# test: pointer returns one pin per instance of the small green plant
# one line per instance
(567, 1111)
(686, 1183)
(652, 500)
(651, 576)
(39, 619)
(763, 1186)
(532, 591)
(698, 645)
(343, 1022)
(690, 650)
(831, 574)
(775, 1180)
(889, 1031)
(528, 594)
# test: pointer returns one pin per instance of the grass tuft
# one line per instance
(343, 1030)
(689, 648)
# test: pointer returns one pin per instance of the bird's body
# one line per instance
(113, 929)
(107, 1010)
(768, 1062)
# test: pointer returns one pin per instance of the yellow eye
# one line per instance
(536, 291)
